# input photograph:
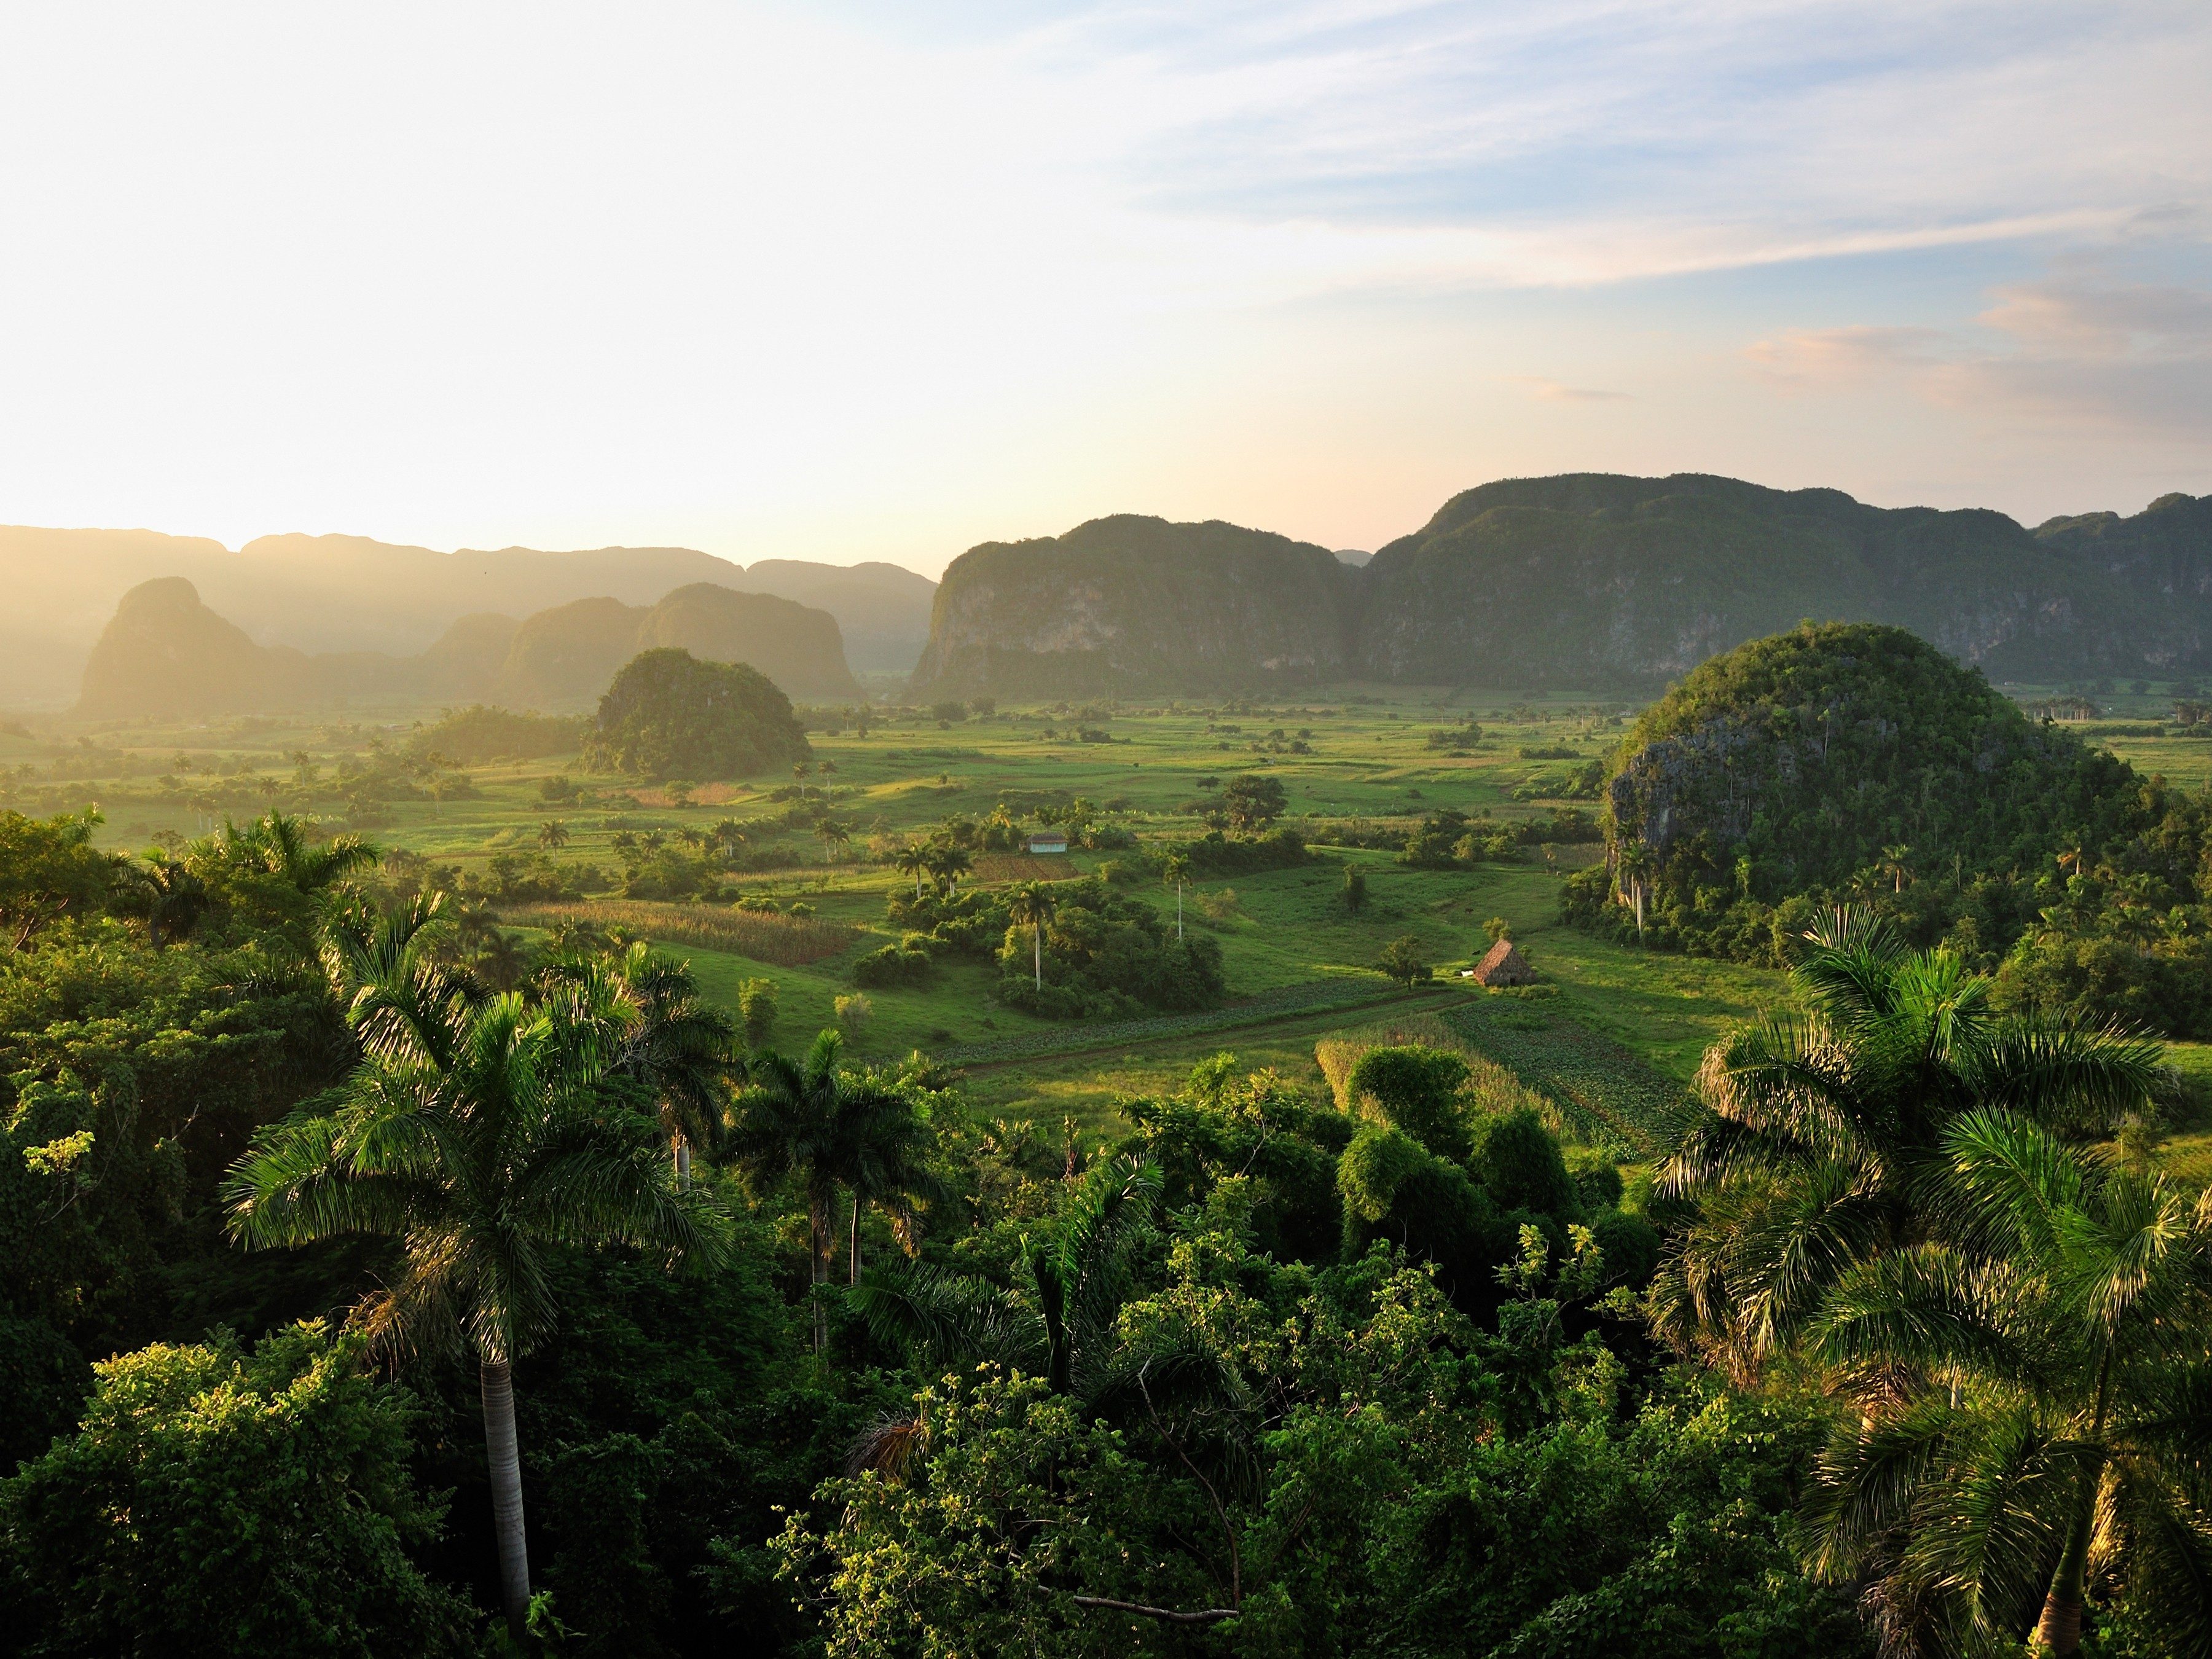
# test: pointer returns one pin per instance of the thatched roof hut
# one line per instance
(1504, 966)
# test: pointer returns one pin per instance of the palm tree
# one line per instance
(885, 1166)
(172, 898)
(811, 1122)
(679, 1050)
(948, 864)
(477, 1131)
(1061, 1324)
(1894, 865)
(2033, 1386)
(1635, 864)
(1175, 870)
(915, 861)
(552, 833)
(276, 844)
(1030, 904)
(499, 961)
(1814, 1130)
(834, 836)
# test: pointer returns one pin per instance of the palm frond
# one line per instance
(1932, 1308)
(1865, 1486)
(2071, 1077)
(944, 1319)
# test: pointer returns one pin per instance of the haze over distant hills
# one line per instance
(1584, 580)
(349, 593)
(166, 654)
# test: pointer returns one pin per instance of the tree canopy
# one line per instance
(669, 714)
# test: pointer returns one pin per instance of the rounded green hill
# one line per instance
(668, 715)
(1823, 756)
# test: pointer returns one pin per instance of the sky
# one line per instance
(849, 281)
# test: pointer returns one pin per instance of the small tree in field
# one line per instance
(1252, 802)
(1402, 961)
(757, 1011)
(1031, 905)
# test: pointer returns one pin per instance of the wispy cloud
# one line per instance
(1553, 392)
(2076, 350)
(1595, 139)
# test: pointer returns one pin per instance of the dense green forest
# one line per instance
(1853, 763)
(568, 1317)
(424, 1244)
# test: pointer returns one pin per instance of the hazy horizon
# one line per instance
(933, 572)
(856, 282)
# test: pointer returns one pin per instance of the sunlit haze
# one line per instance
(851, 281)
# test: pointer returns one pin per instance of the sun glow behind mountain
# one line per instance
(841, 282)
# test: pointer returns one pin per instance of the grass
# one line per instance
(1285, 935)
(766, 936)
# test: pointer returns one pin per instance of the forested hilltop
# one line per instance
(1585, 580)
(1858, 764)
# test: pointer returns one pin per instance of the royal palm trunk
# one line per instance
(818, 1223)
(503, 1461)
(2058, 1632)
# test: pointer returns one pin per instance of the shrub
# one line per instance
(215, 1502)
(1108, 956)
(854, 1011)
(757, 1011)
(1596, 1177)
(892, 966)
(1215, 854)
(1395, 1190)
(789, 940)
(477, 735)
(1520, 1165)
(1415, 1090)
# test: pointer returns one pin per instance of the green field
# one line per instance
(1369, 759)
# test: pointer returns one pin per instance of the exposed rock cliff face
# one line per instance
(1130, 602)
(1585, 580)
(1589, 578)
(166, 654)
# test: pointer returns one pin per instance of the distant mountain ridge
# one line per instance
(166, 654)
(1584, 580)
(344, 594)
(1130, 601)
